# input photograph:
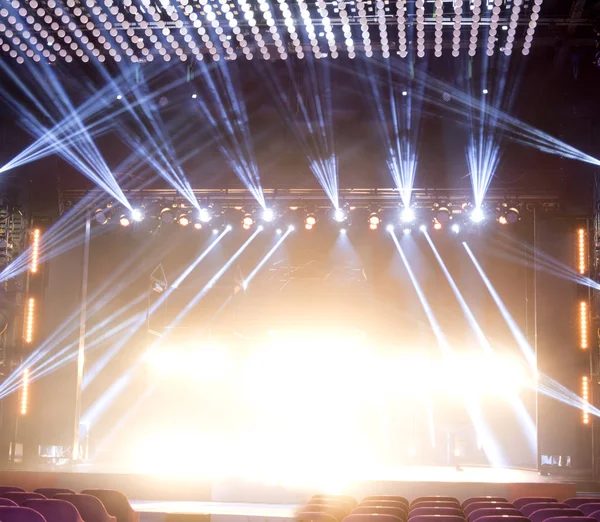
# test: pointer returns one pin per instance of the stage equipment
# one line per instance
(407, 215)
(183, 220)
(585, 395)
(138, 214)
(247, 222)
(25, 391)
(456, 228)
(268, 215)
(583, 325)
(29, 320)
(340, 215)
(581, 251)
(374, 221)
(35, 251)
(124, 221)
(310, 221)
(477, 215)
(102, 216)
(167, 216)
(205, 215)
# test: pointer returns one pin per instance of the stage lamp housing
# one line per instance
(124, 220)
(374, 221)
(407, 215)
(477, 215)
(310, 221)
(268, 215)
(205, 215)
(340, 215)
(167, 216)
(247, 222)
(138, 214)
(442, 213)
(102, 216)
(183, 220)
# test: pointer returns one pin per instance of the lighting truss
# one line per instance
(147, 30)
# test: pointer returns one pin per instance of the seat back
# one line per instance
(115, 502)
(90, 508)
(7, 489)
(437, 518)
(54, 510)
(373, 517)
(536, 506)
(384, 503)
(7, 502)
(588, 509)
(50, 492)
(19, 497)
(490, 512)
(418, 511)
(484, 505)
(395, 498)
(19, 514)
(575, 502)
(571, 519)
(435, 503)
(488, 498)
(434, 498)
(544, 514)
(380, 510)
(503, 518)
(595, 515)
(338, 512)
(523, 501)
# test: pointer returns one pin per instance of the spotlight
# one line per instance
(198, 224)
(137, 214)
(310, 221)
(194, 96)
(422, 228)
(278, 231)
(407, 231)
(119, 96)
(339, 215)
(404, 93)
(477, 215)
(455, 228)
(437, 225)
(485, 91)
(183, 220)
(390, 228)
(228, 228)
(291, 228)
(167, 216)
(247, 222)
(268, 215)
(502, 219)
(343, 231)
(102, 216)
(215, 231)
(260, 228)
(408, 215)
(124, 221)
(442, 213)
(374, 221)
(512, 215)
(205, 215)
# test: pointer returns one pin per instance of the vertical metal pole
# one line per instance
(81, 350)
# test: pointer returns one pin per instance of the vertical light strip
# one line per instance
(581, 252)
(583, 325)
(29, 318)
(35, 251)
(402, 41)
(585, 395)
(25, 392)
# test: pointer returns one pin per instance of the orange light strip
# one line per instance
(25, 392)
(583, 325)
(581, 253)
(585, 395)
(30, 315)
(35, 251)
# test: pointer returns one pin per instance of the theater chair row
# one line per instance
(64, 505)
(392, 508)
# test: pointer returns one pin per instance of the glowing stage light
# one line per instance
(390, 228)
(138, 214)
(477, 215)
(25, 392)
(279, 231)
(581, 252)
(119, 97)
(485, 91)
(343, 231)
(124, 221)
(183, 220)
(408, 215)
(102, 216)
(442, 213)
(502, 220)
(205, 215)
(512, 215)
(310, 221)
(340, 215)
(423, 228)
(583, 325)
(35, 251)
(167, 216)
(247, 222)
(29, 320)
(404, 93)
(437, 225)
(585, 395)
(291, 228)
(407, 231)
(374, 221)
(268, 215)
(455, 228)
(198, 224)
(215, 231)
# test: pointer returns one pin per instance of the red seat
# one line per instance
(571, 519)
(7, 489)
(50, 492)
(54, 510)
(434, 498)
(588, 509)
(19, 497)
(384, 503)
(536, 506)
(486, 499)
(115, 503)
(544, 514)
(396, 498)
(435, 503)
(374, 517)
(90, 508)
(485, 505)
(575, 502)
(523, 501)
(503, 518)
(7, 502)
(380, 510)
(418, 511)
(19, 514)
(437, 518)
(490, 512)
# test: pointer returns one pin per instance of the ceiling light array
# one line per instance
(143, 30)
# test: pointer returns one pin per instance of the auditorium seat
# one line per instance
(338, 512)
(7, 502)
(575, 502)
(536, 506)
(417, 511)
(437, 518)
(90, 508)
(396, 498)
(435, 498)
(315, 516)
(116, 503)
(544, 514)
(571, 519)
(595, 515)
(490, 512)
(384, 503)
(50, 492)
(486, 505)
(21, 496)
(19, 514)
(54, 510)
(8, 489)
(588, 509)
(372, 518)
(523, 501)
(435, 503)
(486, 499)
(380, 510)
(503, 518)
